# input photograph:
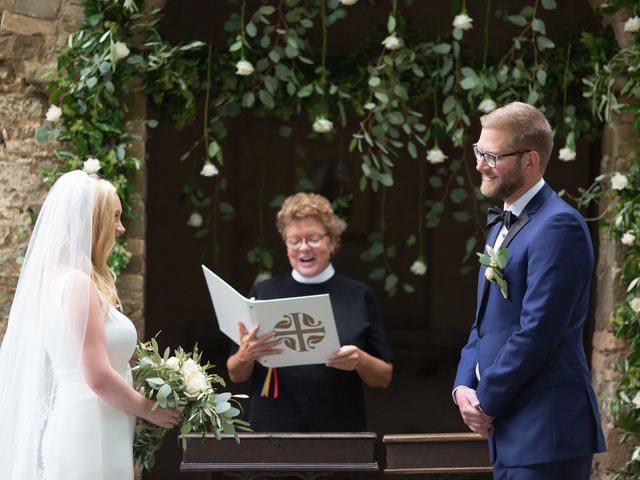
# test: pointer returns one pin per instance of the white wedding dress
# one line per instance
(85, 438)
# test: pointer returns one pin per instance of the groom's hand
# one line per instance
(472, 414)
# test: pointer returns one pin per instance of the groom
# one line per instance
(523, 379)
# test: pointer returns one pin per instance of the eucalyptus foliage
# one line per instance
(116, 52)
(403, 96)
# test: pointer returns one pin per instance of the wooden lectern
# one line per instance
(436, 453)
(303, 455)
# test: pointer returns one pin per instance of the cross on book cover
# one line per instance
(305, 324)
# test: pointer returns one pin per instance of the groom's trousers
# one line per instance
(571, 469)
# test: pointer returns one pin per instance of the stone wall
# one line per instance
(619, 147)
(32, 32)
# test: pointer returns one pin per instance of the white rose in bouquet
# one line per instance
(197, 382)
(348, 2)
(173, 363)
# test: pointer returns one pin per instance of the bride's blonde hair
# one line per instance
(102, 241)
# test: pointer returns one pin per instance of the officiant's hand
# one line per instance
(253, 346)
(347, 358)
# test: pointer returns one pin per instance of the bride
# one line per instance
(67, 406)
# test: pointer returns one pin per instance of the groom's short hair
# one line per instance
(529, 128)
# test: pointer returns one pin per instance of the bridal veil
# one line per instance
(47, 322)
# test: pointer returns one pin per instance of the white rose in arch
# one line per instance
(632, 24)
(91, 166)
(619, 181)
(628, 239)
(435, 155)
(392, 43)
(173, 363)
(487, 105)
(244, 68)
(53, 114)
(209, 170)
(322, 125)
(463, 22)
(418, 268)
(195, 220)
(567, 154)
(635, 304)
(120, 50)
(348, 2)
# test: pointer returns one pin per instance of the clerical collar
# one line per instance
(322, 277)
(518, 206)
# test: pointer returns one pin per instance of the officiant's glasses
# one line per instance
(312, 241)
(491, 159)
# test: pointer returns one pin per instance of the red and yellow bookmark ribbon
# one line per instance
(272, 372)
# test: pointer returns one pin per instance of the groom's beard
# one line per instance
(505, 186)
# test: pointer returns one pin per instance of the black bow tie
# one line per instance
(495, 215)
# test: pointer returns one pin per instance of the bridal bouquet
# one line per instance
(179, 381)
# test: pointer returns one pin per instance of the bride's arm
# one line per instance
(106, 382)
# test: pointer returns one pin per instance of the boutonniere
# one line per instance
(495, 262)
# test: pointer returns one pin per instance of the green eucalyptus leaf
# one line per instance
(442, 48)
(267, 99)
(518, 20)
(391, 24)
(549, 4)
(538, 26)
(378, 273)
(544, 42)
(251, 29)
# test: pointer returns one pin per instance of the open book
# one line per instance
(305, 324)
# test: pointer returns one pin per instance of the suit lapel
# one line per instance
(519, 224)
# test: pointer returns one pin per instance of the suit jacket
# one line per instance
(534, 377)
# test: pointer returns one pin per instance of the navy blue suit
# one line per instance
(534, 377)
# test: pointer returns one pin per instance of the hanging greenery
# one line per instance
(403, 96)
(116, 52)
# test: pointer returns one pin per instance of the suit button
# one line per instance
(480, 334)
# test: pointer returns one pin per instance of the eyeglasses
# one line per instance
(313, 240)
(491, 159)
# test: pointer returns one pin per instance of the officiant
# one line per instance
(314, 398)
